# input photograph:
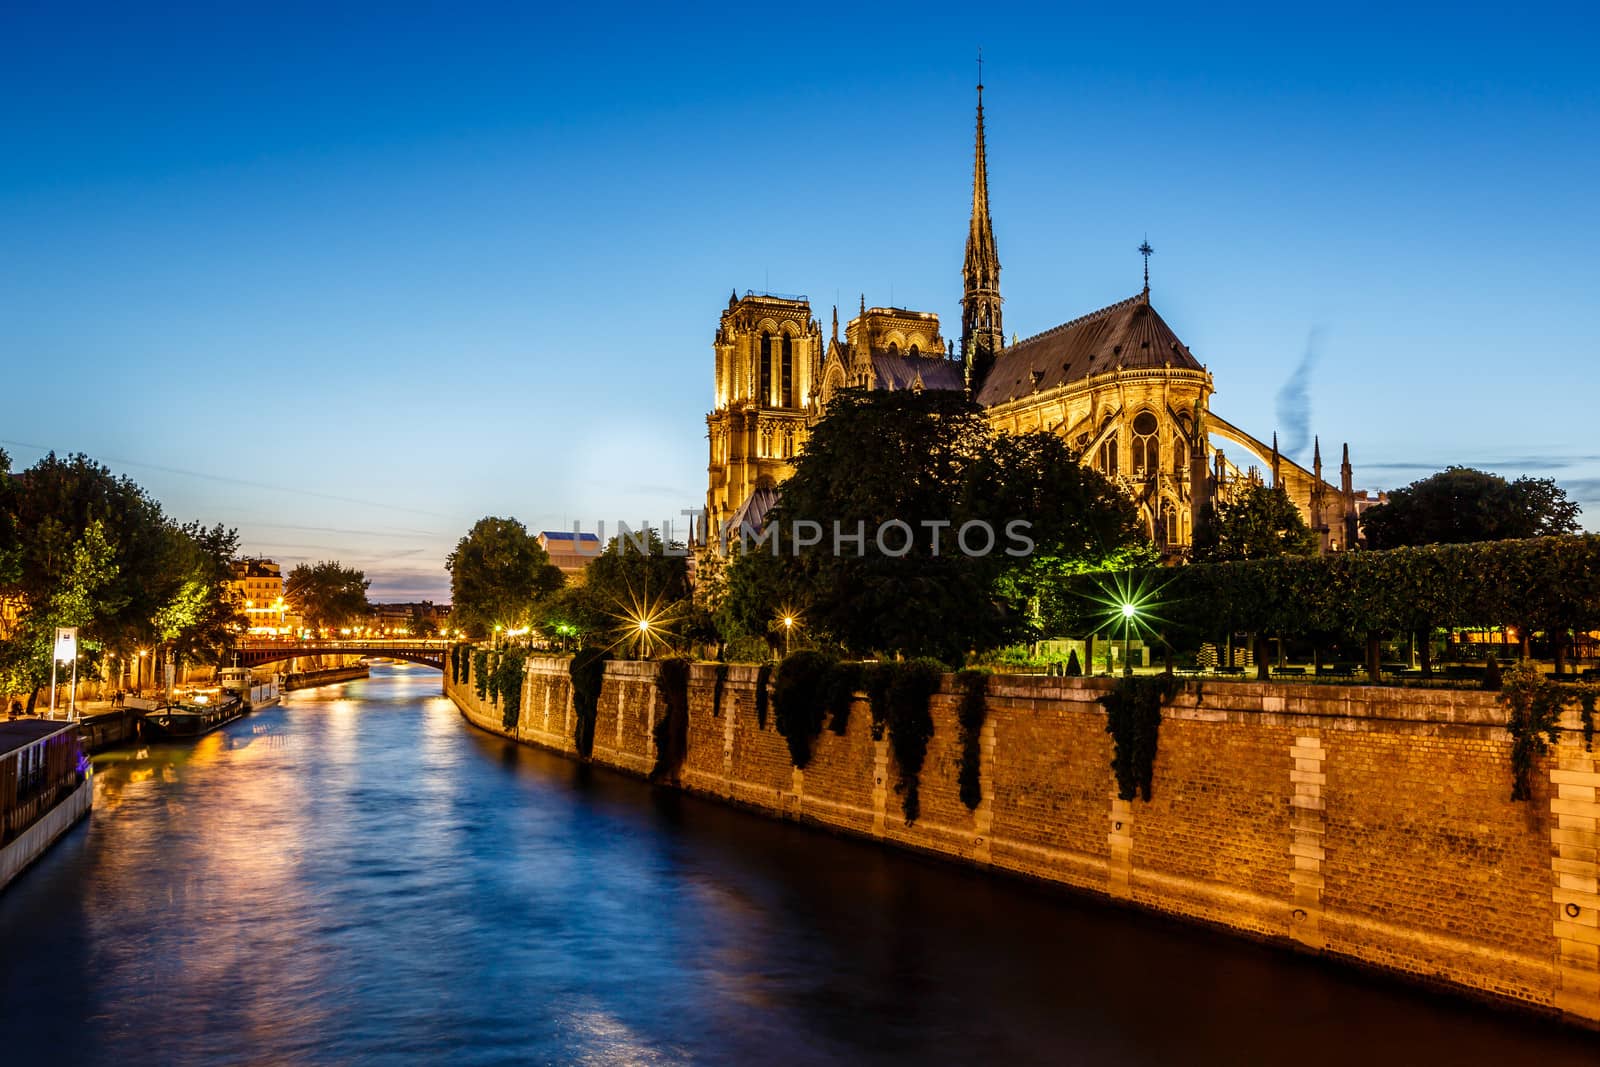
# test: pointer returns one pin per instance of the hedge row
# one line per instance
(1549, 584)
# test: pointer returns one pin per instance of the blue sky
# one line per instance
(351, 279)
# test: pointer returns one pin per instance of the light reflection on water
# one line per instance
(358, 877)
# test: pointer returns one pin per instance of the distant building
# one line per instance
(570, 552)
(258, 584)
(401, 620)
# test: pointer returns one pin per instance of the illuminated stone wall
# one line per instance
(1371, 824)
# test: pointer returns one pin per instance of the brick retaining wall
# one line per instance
(1369, 823)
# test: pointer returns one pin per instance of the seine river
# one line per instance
(357, 876)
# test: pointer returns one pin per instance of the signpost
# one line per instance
(66, 651)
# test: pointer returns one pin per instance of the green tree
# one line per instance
(327, 594)
(86, 572)
(56, 501)
(1078, 520)
(201, 618)
(10, 543)
(162, 583)
(976, 528)
(1261, 522)
(1460, 505)
(568, 616)
(497, 572)
(758, 588)
(640, 575)
(894, 462)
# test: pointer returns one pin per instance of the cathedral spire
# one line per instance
(982, 335)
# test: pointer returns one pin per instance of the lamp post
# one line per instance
(644, 638)
(788, 625)
(1128, 612)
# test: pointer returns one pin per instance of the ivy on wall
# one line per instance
(877, 679)
(1133, 719)
(763, 680)
(971, 713)
(1586, 700)
(492, 683)
(588, 672)
(480, 672)
(1535, 703)
(839, 691)
(909, 723)
(799, 700)
(671, 731)
(506, 680)
(717, 686)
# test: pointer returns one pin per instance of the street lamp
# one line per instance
(644, 638)
(1128, 612)
(788, 625)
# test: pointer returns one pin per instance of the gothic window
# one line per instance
(1180, 458)
(914, 350)
(787, 378)
(1108, 458)
(1146, 450)
(764, 386)
(1172, 524)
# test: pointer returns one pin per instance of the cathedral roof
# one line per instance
(1128, 334)
(903, 371)
(752, 514)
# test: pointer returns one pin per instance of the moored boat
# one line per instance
(179, 720)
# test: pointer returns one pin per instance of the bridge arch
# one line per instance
(260, 653)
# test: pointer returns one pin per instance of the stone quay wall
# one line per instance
(1369, 824)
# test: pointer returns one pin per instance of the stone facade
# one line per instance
(1369, 824)
(768, 349)
(1117, 384)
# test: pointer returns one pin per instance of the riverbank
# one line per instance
(1367, 824)
(324, 676)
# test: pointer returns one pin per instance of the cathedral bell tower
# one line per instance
(768, 349)
(982, 335)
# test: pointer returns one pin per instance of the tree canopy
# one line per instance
(82, 547)
(1260, 522)
(1460, 505)
(960, 529)
(497, 572)
(326, 594)
(624, 584)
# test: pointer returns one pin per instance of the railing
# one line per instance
(26, 798)
(260, 644)
(798, 298)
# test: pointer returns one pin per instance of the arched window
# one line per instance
(1180, 458)
(1108, 458)
(1172, 525)
(1146, 449)
(786, 379)
(914, 350)
(764, 378)
(894, 349)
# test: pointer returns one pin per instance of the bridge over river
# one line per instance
(260, 651)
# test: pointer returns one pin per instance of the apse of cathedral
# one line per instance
(1117, 383)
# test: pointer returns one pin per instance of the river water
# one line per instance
(357, 876)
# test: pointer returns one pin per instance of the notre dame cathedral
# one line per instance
(1117, 383)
